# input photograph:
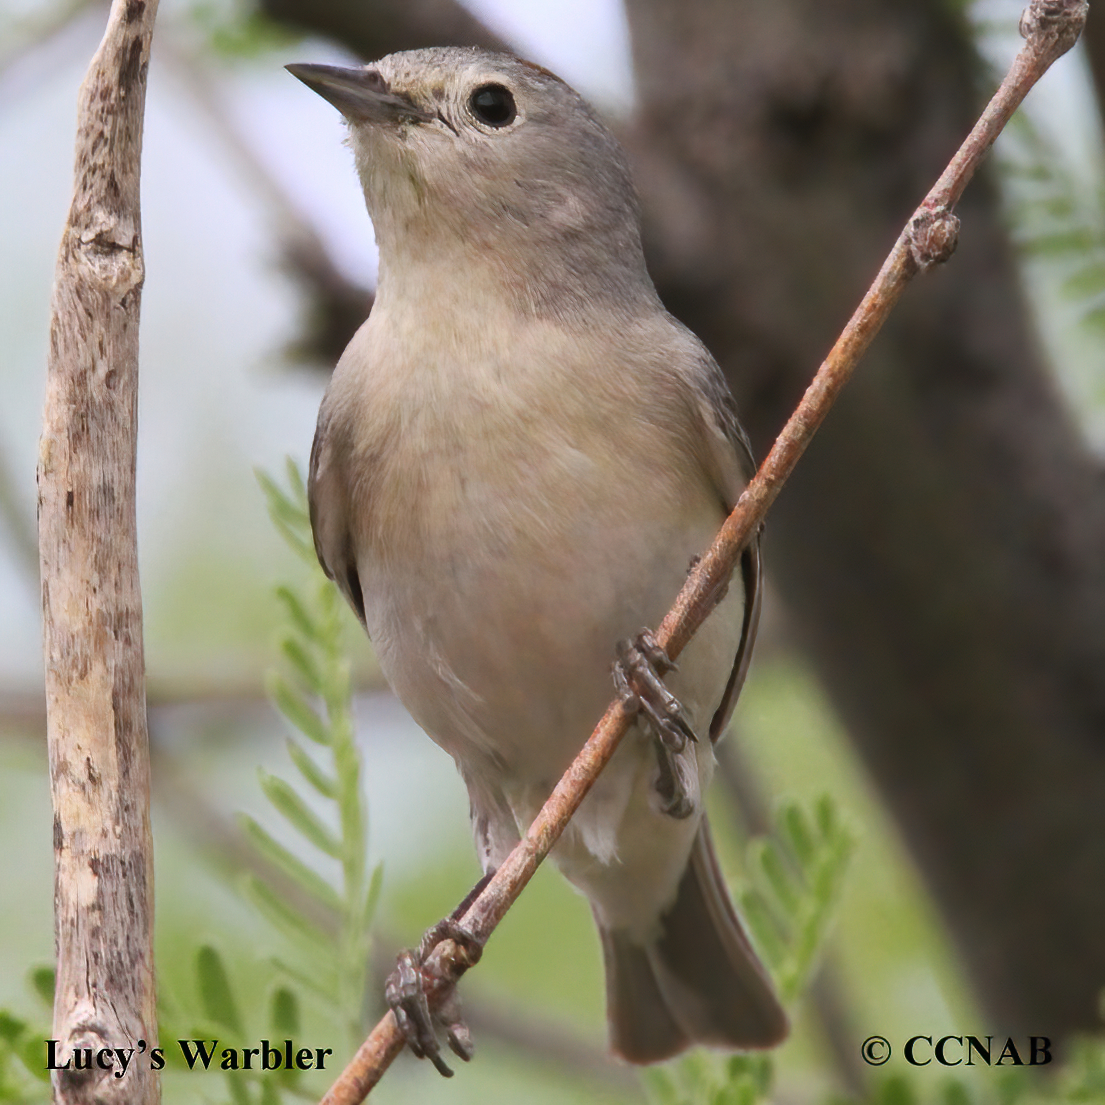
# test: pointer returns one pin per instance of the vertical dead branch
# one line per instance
(91, 602)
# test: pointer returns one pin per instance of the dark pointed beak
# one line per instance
(361, 95)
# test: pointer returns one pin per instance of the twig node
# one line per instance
(933, 236)
(1052, 26)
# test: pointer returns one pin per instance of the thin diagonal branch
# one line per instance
(1050, 27)
(91, 599)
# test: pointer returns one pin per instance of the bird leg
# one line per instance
(406, 990)
(638, 677)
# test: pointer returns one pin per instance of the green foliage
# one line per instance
(1080, 1080)
(747, 1080)
(699, 1079)
(237, 30)
(23, 1077)
(794, 879)
(311, 878)
(326, 919)
(214, 991)
(212, 1015)
(1058, 220)
(314, 695)
(289, 514)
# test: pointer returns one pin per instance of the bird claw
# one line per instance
(638, 673)
(638, 677)
(406, 994)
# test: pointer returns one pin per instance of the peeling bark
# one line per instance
(91, 601)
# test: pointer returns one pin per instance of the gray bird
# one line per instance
(518, 458)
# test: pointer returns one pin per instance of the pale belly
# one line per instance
(499, 639)
(500, 635)
(503, 655)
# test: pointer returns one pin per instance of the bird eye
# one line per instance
(493, 104)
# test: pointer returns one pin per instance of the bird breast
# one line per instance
(521, 506)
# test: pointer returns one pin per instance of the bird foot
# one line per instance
(638, 677)
(406, 992)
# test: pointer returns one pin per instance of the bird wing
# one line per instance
(328, 501)
(730, 465)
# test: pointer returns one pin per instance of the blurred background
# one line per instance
(933, 653)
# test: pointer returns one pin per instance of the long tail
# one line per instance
(699, 983)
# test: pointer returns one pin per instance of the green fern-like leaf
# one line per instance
(765, 931)
(287, 801)
(322, 985)
(284, 1013)
(313, 691)
(302, 622)
(215, 993)
(291, 865)
(23, 1077)
(1058, 219)
(324, 784)
(304, 663)
(289, 515)
(955, 1093)
(295, 707)
(42, 980)
(283, 916)
(372, 896)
